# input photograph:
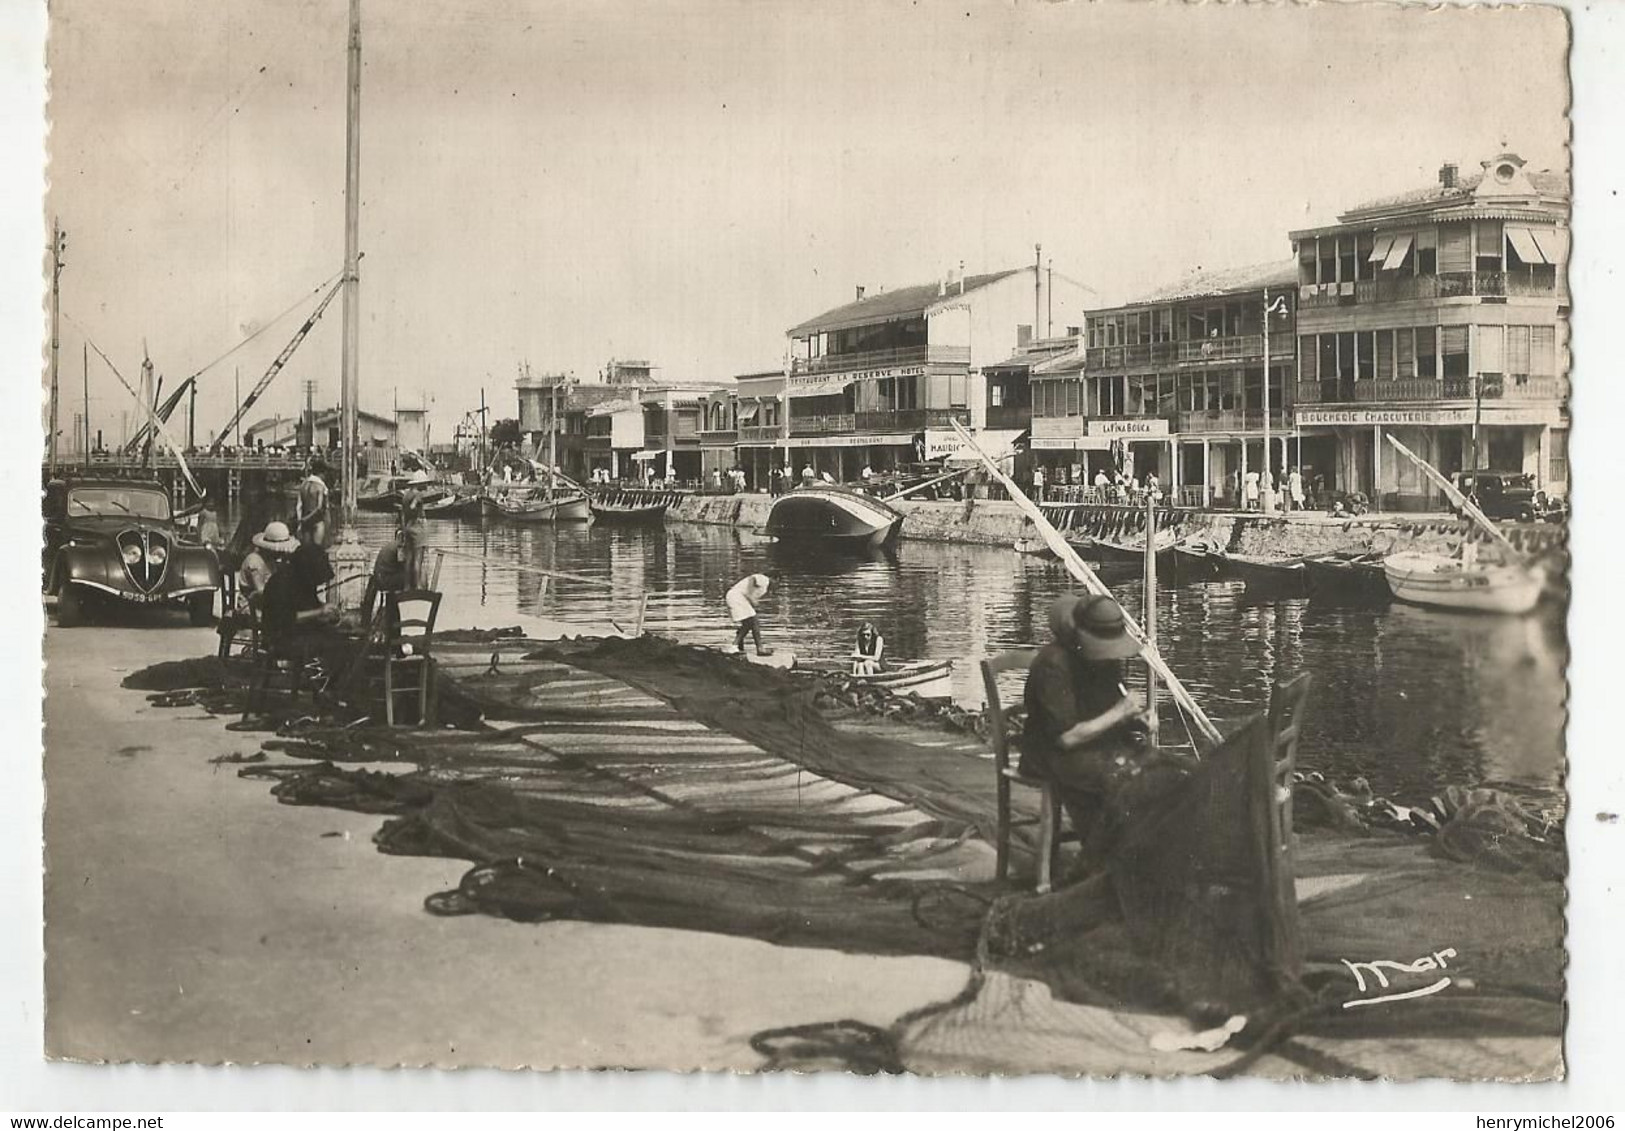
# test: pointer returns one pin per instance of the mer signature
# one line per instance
(1434, 961)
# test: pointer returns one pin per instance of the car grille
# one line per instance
(136, 548)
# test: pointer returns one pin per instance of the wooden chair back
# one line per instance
(410, 620)
(997, 739)
(1288, 709)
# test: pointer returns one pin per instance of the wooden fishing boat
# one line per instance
(453, 504)
(1347, 576)
(1110, 550)
(1198, 558)
(1286, 577)
(924, 679)
(605, 510)
(562, 507)
(1444, 582)
(834, 517)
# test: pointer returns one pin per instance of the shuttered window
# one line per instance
(1455, 249)
(1489, 245)
(1491, 357)
(1517, 351)
(1307, 369)
(1385, 354)
(1542, 351)
(1454, 339)
(1405, 351)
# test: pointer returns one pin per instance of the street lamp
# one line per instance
(1267, 491)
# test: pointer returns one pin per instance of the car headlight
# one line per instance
(157, 555)
(132, 555)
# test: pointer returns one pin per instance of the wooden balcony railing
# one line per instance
(1496, 387)
(1449, 284)
(1227, 420)
(1242, 347)
(760, 433)
(824, 425)
(911, 419)
(882, 359)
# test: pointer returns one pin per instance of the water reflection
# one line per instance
(1410, 698)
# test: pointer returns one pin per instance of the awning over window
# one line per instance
(748, 410)
(646, 456)
(1523, 242)
(825, 388)
(1396, 252)
(1553, 243)
(1379, 252)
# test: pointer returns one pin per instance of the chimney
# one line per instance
(961, 276)
(1038, 291)
(860, 294)
(1448, 173)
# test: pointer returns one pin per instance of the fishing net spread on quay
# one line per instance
(644, 782)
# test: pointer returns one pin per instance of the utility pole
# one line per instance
(191, 420)
(59, 244)
(237, 398)
(1267, 493)
(85, 350)
(350, 390)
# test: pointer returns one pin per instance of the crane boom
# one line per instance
(276, 367)
(165, 410)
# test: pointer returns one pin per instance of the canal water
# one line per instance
(1411, 699)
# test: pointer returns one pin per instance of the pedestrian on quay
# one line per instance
(741, 601)
(808, 476)
(1249, 491)
(310, 507)
(1294, 489)
(1038, 483)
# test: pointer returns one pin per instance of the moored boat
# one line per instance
(454, 504)
(565, 507)
(1282, 576)
(1109, 550)
(1347, 577)
(925, 679)
(834, 517)
(629, 512)
(1445, 582)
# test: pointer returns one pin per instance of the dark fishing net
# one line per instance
(645, 783)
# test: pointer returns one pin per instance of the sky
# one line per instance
(564, 182)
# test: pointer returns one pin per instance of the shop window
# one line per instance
(1427, 251)
(1363, 246)
(1517, 351)
(1385, 354)
(1542, 351)
(1427, 352)
(1454, 346)
(1365, 355)
(1558, 462)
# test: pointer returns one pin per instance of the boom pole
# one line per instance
(350, 386)
(276, 367)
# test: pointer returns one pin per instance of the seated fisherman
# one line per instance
(293, 613)
(1085, 732)
(271, 548)
(868, 651)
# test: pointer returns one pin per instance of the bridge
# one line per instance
(228, 477)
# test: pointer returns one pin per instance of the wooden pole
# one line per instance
(58, 243)
(1090, 581)
(350, 375)
(1150, 620)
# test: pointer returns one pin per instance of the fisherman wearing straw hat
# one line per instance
(1084, 728)
(272, 548)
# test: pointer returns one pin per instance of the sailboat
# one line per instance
(1461, 581)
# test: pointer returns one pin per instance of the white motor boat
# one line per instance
(1446, 582)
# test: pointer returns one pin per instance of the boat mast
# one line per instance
(59, 244)
(350, 386)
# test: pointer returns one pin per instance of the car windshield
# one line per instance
(134, 502)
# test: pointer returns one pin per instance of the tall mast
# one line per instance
(84, 350)
(59, 244)
(350, 387)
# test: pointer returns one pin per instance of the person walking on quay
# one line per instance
(1249, 491)
(741, 601)
(310, 509)
(1038, 483)
(1294, 488)
(808, 476)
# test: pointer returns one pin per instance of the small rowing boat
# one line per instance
(567, 507)
(606, 510)
(1109, 550)
(1446, 582)
(1284, 577)
(925, 679)
(1347, 577)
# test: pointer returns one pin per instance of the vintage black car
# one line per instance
(114, 541)
(1507, 494)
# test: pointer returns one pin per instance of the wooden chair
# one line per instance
(277, 668)
(1050, 834)
(1288, 709)
(239, 627)
(401, 646)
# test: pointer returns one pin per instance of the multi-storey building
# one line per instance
(1439, 316)
(1174, 383)
(759, 421)
(878, 381)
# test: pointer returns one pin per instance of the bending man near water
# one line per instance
(1085, 732)
(742, 600)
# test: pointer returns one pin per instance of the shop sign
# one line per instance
(860, 441)
(1069, 443)
(1394, 416)
(1147, 429)
(940, 442)
(848, 376)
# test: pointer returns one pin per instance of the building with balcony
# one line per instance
(672, 429)
(759, 419)
(880, 380)
(1174, 383)
(1440, 316)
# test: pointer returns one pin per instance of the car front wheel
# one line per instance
(70, 610)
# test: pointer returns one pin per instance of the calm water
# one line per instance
(1410, 698)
